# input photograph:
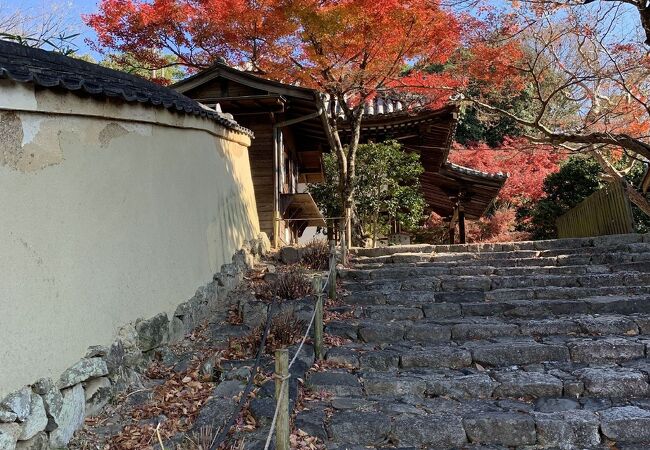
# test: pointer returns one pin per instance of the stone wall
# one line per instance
(46, 413)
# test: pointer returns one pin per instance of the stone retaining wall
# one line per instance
(46, 413)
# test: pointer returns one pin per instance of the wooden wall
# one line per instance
(261, 150)
(606, 211)
(260, 155)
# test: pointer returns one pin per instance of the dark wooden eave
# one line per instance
(430, 134)
(301, 208)
(441, 190)
(219, 70)
(250, 104)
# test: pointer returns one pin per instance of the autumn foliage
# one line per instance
(526, 165)
(354, 48)
(350, 50)
(312, 42)
(499, 226)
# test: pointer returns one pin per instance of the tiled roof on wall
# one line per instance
(55, 71)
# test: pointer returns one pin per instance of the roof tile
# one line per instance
(52, 70)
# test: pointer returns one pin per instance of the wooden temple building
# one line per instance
(451, 191)
(286, 152)
(288, 123)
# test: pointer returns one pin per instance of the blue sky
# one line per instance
(73, 9)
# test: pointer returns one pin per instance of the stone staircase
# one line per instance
(532, 345)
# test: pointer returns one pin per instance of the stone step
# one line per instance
(498, 352)
(357, 422)
(602, 241)
(509, 287)
(578, 386)
(474, 384)
(406, 272)
(519, 296)
(621, 253)
(616, 258)
(541, 308)
(552, 253)
(380, 330)
(556, 402)
(607, 304)
(528, 345)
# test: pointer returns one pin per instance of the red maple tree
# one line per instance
(350, 50)
(526, 165)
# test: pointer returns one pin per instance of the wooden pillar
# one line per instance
(277, 149)
(317, 287)
(461, 224)
(452, 226)
(332, 272)
(344, 242)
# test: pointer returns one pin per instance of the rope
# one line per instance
(275, 414)
(304, 338)
(285, 379)
(293, 360)
(223, 435)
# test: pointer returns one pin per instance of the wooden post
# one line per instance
(452, 226)
(317, 284)
(276, 186)
(282, 399)
(461, 224)
(332, 275)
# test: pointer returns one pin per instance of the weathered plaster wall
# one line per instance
(109, 213)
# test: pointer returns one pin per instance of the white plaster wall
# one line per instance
(105, 219)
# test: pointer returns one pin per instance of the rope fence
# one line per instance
(280, 423)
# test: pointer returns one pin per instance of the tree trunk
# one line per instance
(375, 221)
(348, 222)
(635, 196)
(345, 154)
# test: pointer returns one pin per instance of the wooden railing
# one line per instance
(606, 211)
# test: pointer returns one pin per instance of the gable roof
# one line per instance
(220, 70)
(57, 72)
(428, 132)
(260, 96)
